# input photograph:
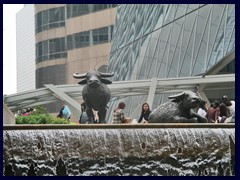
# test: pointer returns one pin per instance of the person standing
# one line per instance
(83, 117)
(65, 112)
(223, 113)
(213, 113)
(145, 113)
(230, 105)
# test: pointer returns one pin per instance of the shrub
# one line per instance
(40, 110)
(40, 119)
(40, 116)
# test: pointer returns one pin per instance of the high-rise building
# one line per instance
(71, 38)
(25, 42)
(170, 41)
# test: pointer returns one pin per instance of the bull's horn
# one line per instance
(104, 75)
(79, 76)
(177, 96)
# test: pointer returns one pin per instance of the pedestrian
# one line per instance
(213, 112)
(145, 113)
(202, 110)
(118, 114)
(229, 104)
(65, 112)
(223, 113)
(83, 117)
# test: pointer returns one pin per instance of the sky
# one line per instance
(9, 48)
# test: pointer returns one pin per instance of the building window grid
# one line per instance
(81, 39)
(224, 29)
(100, 35)
(197, 46)
(49, 19)
(213, 52)
(89, 38)
(74, 10)
(194, 60)
(181, 61)
(50, 49)
(56, 48)
(55, 17)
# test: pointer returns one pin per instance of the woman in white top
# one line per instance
(202, 110)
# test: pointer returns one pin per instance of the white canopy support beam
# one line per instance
(221, 64)
(151, 92)
(203, 96)
(73, 105)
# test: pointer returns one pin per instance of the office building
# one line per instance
(71, 38)
(171, 41)
(25, 45)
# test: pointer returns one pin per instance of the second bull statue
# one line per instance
(178, 110)
(95, 93)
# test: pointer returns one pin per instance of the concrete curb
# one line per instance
(117, 126)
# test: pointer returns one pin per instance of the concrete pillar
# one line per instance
(8, 116)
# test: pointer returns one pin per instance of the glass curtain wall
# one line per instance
(167, 40)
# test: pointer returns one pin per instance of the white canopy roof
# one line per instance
(69, 94)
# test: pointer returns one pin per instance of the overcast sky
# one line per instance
(9, 47)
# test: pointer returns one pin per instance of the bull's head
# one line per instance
(188, 99)
(93, 78)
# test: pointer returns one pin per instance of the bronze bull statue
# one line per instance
(178, 110)
(95, 93)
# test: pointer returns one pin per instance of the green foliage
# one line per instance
(74, 123)
(40, 110)
(40, 119)
(40, 116)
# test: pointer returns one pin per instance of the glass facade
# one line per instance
(56, 48)
(50, 49)
(55, 17)
(88, 38)
(25, 46)
(74, 10)
(168, 40)
(49, 19)
(50, 74)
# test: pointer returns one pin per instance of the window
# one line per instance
(82, 39)
(77, 40)
(100, 35)
(111, 32)
(74, 10)
(39, 19)
(44, 18)
(50, 49)
(95, 36)
(45, 47)
(70, 44)
(98, 7)
(87, 38)
(48, 19)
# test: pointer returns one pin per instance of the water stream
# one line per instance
(95, 152)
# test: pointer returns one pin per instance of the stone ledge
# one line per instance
(116, 126)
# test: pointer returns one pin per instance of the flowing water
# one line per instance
(105, 152)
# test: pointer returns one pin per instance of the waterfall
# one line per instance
(119, 151)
